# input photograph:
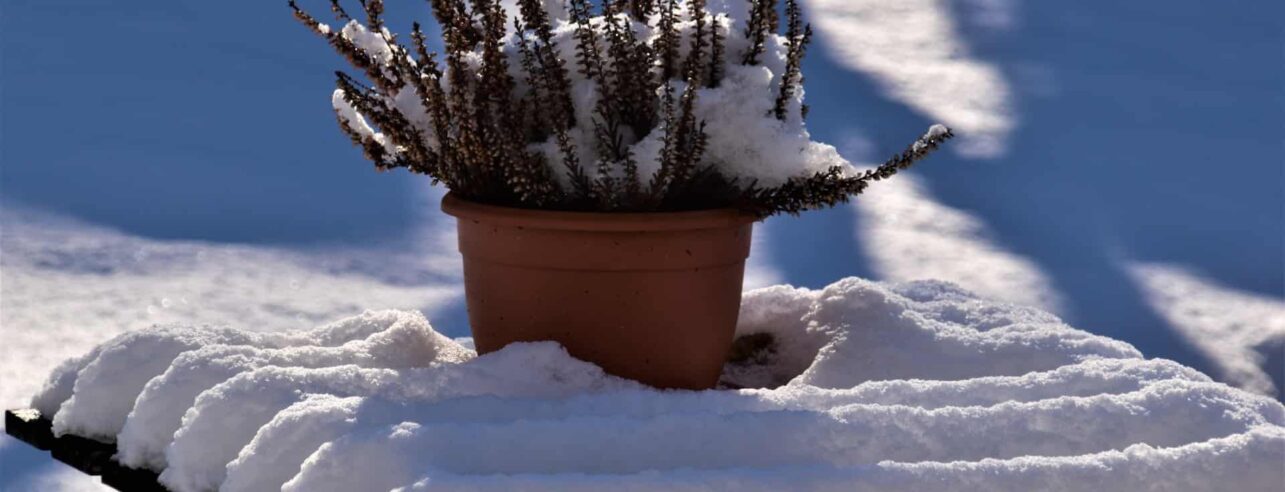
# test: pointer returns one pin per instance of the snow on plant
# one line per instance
(639, 105)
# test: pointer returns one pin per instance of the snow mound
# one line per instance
(857, 386)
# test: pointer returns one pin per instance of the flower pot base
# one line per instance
(649, 297)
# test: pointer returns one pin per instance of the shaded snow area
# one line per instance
(858, 386)
(1025, 217)
(69, 285)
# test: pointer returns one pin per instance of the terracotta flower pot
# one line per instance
(650, 296)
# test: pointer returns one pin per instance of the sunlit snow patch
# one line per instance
(857, 386)
(759, 272)
(911, 48)
(1235, 329)
(909, 235)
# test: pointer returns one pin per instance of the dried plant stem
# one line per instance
(831, 187)
(797, 38)
(496, 116)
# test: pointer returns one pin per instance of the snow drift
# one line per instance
(858, 386)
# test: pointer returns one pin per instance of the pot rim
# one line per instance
(718, 218)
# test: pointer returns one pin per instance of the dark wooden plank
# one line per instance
(131, 479)
(30, 427)
(87, 455)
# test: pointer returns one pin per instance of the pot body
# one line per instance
(652, 297)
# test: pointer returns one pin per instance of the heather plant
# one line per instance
(618, 105)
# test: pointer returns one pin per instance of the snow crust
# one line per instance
(861, 386)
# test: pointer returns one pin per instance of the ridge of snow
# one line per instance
(70, 286)
(864, 386)
(396, 339)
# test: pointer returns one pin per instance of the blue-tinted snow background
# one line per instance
(1121, 164)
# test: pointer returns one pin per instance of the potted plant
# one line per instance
(605, 164)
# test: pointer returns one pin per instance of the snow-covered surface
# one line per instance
(69, 286)
(1071, 113)
(866, 386)
(953, 62)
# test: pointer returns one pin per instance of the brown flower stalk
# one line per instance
(495, 118)
(797, 38)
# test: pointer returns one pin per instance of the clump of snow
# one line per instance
(375, 44)
(936, 131)
(357, 122)
(857, 386)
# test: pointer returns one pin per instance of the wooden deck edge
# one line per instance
(87, 455)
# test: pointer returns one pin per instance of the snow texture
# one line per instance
(861, 386)
(393, 339)
(69, 286)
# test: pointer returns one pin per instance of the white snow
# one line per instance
(867, 386)
(913, 51)
(68, 286)
(374, 44)
(356, 122)
(745, 142)
(936, 131)
(909, 235)
(1237, 330)
(383, 339)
